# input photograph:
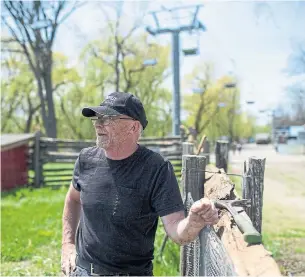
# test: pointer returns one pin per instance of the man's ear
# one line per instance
(133, 128)
(136, 126)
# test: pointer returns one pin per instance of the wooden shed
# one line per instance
(14, 166)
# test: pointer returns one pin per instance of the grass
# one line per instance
(31, 231)
(284, 236)
(31, 235)
(238, 184)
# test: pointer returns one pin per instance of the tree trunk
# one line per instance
(31, 113)
(222, 155)
(51, 120)
(39, 77)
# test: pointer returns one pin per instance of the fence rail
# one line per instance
(51, 161)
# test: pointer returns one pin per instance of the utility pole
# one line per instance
(192, 24)
(176, 96)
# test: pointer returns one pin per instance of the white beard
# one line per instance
(101, 142)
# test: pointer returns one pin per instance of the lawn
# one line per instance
(31, 235)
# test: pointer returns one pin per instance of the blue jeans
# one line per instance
(79, 271)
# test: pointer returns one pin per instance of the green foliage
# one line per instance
(117, 62)
(99, 59)
(206, 116)
(31, 235)
(262, 129)
(18, 90)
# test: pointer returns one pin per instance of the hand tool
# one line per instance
(251, 235)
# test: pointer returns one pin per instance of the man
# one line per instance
(118, 191)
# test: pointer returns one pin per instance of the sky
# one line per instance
(251, 40)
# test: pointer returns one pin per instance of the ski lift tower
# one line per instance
(175, 21)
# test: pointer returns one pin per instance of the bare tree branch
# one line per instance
(59, 85)
(12, 50)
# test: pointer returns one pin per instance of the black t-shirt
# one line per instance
(121, 201)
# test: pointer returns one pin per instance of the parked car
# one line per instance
(263, 138)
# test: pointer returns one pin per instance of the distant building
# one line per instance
(291, 139)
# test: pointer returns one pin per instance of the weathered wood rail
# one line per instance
(52, 160)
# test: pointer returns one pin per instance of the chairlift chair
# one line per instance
(230, 85)
(194, 48)
(150, 62)
(198, 90)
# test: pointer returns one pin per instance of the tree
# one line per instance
(295, 108)
(296, 60)
(214, 109)
(202, 106)
(133, 76)
(296, 92)
(33, 26)
(116, 49)
(18, 102)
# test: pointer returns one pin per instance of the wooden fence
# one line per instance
(225, 249)
(51, 161)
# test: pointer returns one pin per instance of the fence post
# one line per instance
(246, 189)
(187, 149)
(37, 161)
(193, 182)
(222, 154)
(254, 188)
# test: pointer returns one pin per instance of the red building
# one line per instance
(14, 168)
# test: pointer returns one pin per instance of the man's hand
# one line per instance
(184, 230)
(68, 255)
(202, 213)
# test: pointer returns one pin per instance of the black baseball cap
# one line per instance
(118, 103)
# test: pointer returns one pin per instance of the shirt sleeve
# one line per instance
(166, 197)
(76, 173)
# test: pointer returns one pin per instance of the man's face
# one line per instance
(112, 131)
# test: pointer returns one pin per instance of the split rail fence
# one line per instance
(219, 250)
(51, 161)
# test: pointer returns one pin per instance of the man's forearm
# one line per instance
(70, 220)
(183, 232)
